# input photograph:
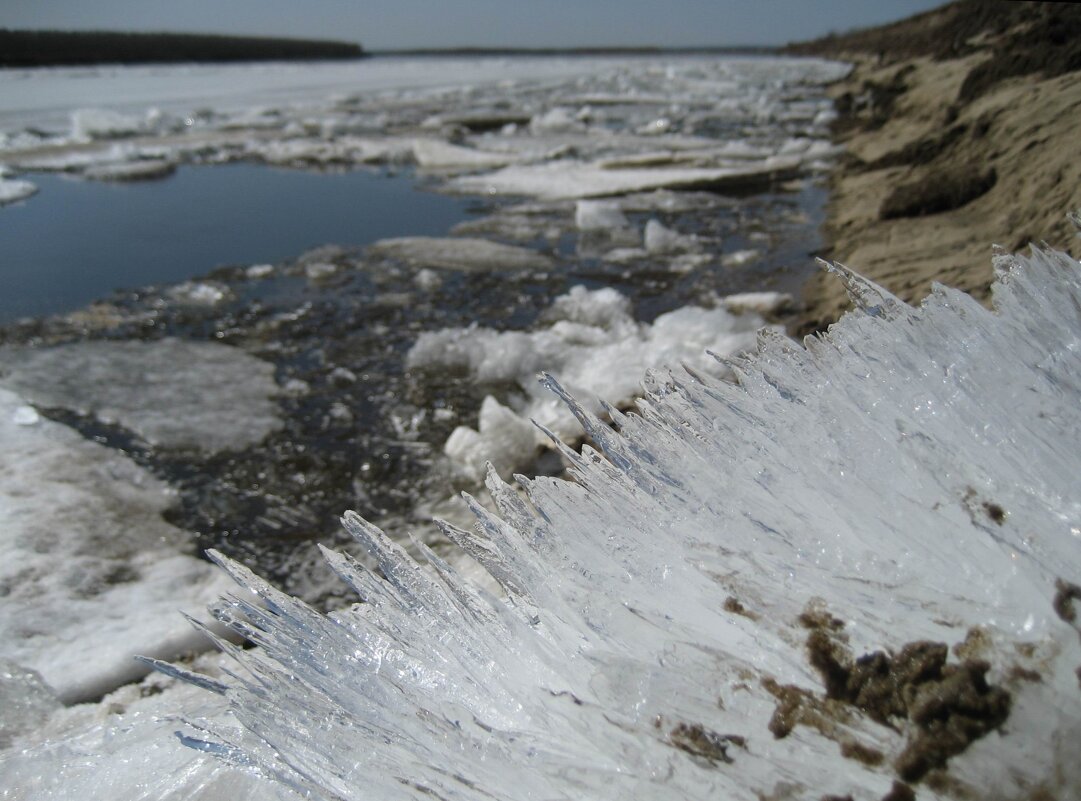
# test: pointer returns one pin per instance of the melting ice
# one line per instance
(668, 621)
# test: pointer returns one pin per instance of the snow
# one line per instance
(90, 573)
(171, 393)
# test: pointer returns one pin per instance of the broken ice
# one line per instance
(909, 476)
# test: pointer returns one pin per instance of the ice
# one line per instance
(97, 123)
(138, 170)
(171, 393)
(13, 190)
(570, 179)
(90, 572)
(464, 253)
(912, 474)
(433, 154)
(593, 342)
(661, 240)
(502, 439)
(598, 215)
(764, 303)
(26, 701)
(115, 750)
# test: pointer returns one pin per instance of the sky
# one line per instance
(398, 24)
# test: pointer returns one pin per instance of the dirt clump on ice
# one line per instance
(960, 131)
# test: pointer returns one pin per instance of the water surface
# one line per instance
(76, 241)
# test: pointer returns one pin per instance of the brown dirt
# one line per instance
(699, 741)
(943, 708)
(960, 132)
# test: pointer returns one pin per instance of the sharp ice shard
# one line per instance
(855, 567)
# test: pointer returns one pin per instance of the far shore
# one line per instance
(84, 48)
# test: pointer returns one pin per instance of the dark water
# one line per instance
(76, 241)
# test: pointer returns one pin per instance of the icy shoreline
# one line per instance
(675, 620)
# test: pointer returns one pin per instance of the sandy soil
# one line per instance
(939, 166)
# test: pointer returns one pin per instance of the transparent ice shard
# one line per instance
(910, 476)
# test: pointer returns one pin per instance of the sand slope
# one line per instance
(962, 132)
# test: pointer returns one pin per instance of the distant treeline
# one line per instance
(732, 50)
(55, 48)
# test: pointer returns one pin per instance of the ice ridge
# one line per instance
(680, 621)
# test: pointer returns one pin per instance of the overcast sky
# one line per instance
(390, 24)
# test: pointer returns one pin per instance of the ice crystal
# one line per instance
(748, 592)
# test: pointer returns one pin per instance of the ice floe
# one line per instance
(13, 190)
(90, 572)
(569, 179)
(459, 253)
(171, 393)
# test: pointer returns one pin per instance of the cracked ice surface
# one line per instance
(913, 472)
(172, 393)
(90, 573)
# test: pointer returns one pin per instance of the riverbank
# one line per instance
(960, 130)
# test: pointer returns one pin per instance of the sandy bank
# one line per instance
(961, 129)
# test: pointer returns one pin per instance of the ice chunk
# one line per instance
(598, 215)
(100, 123)
(764, 303)
(138, 170)
(576, 179)
(556, 120)
(122, 749)
(199, 293)
(26, 701)
(459, 254)
(13, 190)
(659, 239)
(172, 393)
(594, 343)
(675, 617)
(434, 154)
(502, 438)
(739, 258)
(90, 573)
